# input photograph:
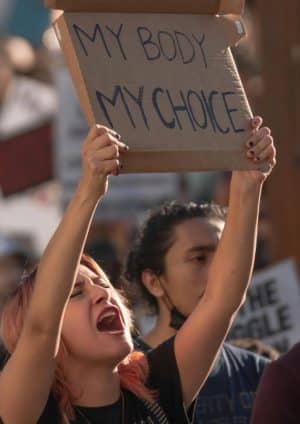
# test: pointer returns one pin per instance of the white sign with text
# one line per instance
(271, 312)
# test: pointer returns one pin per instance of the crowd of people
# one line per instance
(134, 329)
(67, 332)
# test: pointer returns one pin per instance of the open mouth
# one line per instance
(109, 321)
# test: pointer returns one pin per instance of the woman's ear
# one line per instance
(152, 283)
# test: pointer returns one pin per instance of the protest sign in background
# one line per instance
(271, 312)
(167, 83)
(26, 135)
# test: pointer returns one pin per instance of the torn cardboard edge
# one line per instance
(62, 33)
(203, 7)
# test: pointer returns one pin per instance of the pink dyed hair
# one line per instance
(133, 370)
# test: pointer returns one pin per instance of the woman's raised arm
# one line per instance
(199, 339)
(27, 377)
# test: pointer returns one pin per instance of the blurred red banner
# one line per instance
(26, 160)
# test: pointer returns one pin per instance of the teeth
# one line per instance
(110, 316)
(107, 315)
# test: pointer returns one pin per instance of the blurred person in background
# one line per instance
(25, 103)
(14, 257)
(278, 395)
(170, 264)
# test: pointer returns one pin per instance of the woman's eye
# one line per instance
(76, 294)
(200, 258)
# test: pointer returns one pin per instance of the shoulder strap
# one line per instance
(156, 411)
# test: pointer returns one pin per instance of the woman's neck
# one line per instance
(162, 330)
(94, 386)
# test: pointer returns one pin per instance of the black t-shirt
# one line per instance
(163, 378)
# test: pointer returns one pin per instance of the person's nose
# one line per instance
(204, 275)
(98, 294)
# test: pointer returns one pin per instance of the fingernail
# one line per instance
(98, 126)
(266, 131)
(127, 147)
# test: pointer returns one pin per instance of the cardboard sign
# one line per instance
(128, 195)
(203, 7)
(167, 83)
(271, 312)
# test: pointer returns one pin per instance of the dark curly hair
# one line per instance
(155, 239)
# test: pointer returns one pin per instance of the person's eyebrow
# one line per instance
(101, 280)
(202, 248)
(78, 284)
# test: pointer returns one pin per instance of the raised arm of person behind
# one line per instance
(72, 338)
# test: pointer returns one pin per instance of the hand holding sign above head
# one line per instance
(100, 158)
(260, 149)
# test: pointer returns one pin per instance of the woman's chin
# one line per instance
(104, 348)
(115, 348)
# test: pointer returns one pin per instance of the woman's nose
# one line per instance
(98, 294)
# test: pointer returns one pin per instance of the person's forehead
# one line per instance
(84, 270)
(198, 230)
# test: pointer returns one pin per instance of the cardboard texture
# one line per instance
(167, 83)
(198, 7)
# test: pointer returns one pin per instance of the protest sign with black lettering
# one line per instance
(271, 312)
(167, 83)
